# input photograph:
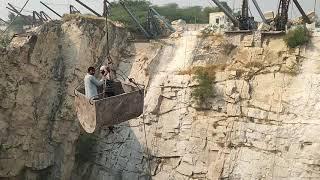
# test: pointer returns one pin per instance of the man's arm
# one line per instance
(96, 82)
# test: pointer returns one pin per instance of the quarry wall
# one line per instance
(38, 74)
(260, 123)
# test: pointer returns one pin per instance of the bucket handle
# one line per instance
(92, 98)
(75, 90)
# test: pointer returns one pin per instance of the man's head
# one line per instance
(104, 70)
(91, 70)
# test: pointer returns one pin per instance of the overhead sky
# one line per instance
(62, 6)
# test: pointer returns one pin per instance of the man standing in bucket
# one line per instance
(108, 76)
(91, 83)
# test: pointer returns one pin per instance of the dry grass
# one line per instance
(291, 72)
(86, 19)
(68, 17)
(254, 64)
(209, 69)
(239, 71)
(228, 47)
(218, 36)
(215, 37)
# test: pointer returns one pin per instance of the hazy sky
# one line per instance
(62, 6)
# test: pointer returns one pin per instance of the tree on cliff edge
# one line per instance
(17, 22)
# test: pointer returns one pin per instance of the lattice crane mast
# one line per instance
(281, 19)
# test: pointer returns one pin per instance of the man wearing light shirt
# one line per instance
(91, 83)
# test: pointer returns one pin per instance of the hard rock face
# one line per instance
(38, 125)
(261, 118)
(261, 123)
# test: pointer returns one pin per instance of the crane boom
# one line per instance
(37, 18)
(259, 11)
(162, 19)
(133, 17)
(55, 12)
(87, 7)
(1, 20)
(304, 16)
(45, 16)
(73, 10)
(282, 16)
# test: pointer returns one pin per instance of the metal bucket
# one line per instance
(108, 111)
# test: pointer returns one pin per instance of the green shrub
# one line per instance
(85, 147)
(205, 76)
(205, 89)
(4, 41)
(2, 149)
(297, 37)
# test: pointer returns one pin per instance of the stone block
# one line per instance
(168, 148)
(221, 76)
(185, 169)
(233, 109)
(188, 158)
(162, 175)
(200, 168)
(167, 105)
(260, 105)
(230, 87)
(247, 41)
(237, 86)
(257, 113)
(264, 27)
(169, 95)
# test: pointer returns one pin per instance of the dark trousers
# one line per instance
(109, 88)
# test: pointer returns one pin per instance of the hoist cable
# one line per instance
(59, 4)
(132, 81)
(143, 120)
(146, 141)
(107, 27)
